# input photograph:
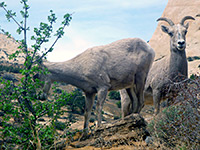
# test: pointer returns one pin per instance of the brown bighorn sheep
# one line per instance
(163, 72)
(121, 64)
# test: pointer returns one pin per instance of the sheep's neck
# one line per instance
(68, 76)
(178, 65)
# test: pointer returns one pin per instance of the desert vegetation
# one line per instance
(28, 123)
(178, 126)
(21, 110)
(114, 95)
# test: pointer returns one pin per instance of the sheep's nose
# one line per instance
(181, 42)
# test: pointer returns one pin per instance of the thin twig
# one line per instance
(12, 17)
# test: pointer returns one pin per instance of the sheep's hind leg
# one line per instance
(134, 99)
(156, 101)
(140, 83)
(102, 93)
(126, 103)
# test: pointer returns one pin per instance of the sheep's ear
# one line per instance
(165, 29)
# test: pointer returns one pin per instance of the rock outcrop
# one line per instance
(119, 132)
(8, 46)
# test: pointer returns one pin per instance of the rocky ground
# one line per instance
(115, 134)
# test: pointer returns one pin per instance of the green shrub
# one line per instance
(190, 59)
(19, 100)
(92, 120)
(178, 126)
(192, 76)
(14, 69)
(196, 57)
(116, 117)
(10, 77)
(76, 102)
(118, 104)
(60, 125)
(193, 58)
(114, 95)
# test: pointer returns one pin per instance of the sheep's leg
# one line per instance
(88, 108)
(134, 99)
(99, 106)
(156, 101)
(140, 79)
(169, 101)
(126, 103)
(140, 100)
(89, 101)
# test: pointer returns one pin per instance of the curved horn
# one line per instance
(167, 20)
(186, 18)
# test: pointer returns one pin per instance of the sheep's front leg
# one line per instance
(102, 93)
(156, 101)
(89, 101)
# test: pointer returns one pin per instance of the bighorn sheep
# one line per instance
(121, 64)
(163, 72)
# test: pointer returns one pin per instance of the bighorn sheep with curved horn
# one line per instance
(163, 72)
(121, 64)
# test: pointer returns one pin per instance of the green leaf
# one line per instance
(10, 14)
(2, 4)
(19, 30)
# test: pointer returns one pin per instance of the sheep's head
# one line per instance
(177, 32)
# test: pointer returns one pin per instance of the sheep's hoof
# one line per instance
(85, 135)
